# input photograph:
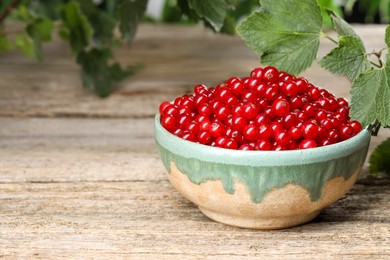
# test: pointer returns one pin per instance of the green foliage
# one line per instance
(371, 94)
(290, 42)
(213, 12)
(76, 27)
(379, 160)
(5, 44)
(97, 74)
(348, 59)
(281, 37)
(130, 13)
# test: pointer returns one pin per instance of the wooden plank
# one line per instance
(172, 66)
(150, 219)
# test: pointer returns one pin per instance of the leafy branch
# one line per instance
(286, 34)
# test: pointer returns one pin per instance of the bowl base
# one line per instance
(260, 223)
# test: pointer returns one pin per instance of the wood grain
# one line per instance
(149, 219)
(80, 177)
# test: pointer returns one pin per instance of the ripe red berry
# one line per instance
(168, 122)
(250, 132)
(270, 74)
(217, 129)
(204, 137)
(309, 130)
(306, 144)
(357, 127)
(163, 105)
(263, 145)
(280, 107)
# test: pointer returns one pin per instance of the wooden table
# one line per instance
(80, 177)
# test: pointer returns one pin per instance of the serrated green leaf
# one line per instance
(5, 44)
(130, 13)
(349, 59)
(379, 160)
(97, 73)
(25, 44)
(370, 93)
(76, 26)
(285, 33)
(213, 12)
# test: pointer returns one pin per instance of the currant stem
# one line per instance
(324, 35)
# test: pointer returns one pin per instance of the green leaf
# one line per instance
(130, 13)
(342, 27)
(327, 5)
(348, 59)
(25, 44)
(103, 24)
(370, 92)
(77, 29)
(40, 31)
(41, 28)
(285, 33)
(379, 160)
(5, 44)
(213, 12)
(97, 73)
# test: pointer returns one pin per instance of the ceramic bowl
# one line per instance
(261, 189)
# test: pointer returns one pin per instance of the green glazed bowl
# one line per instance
(261, 189)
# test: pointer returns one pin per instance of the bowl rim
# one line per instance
(208, 153)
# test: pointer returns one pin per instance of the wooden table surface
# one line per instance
(80, 177)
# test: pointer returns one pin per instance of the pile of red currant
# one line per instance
(270, 110)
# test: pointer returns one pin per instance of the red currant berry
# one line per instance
(257, 73)
(295, 132)
(283, 138)
(280, 107)
(163, 105)
(183, 120)
(205, 110)
(302, 85)
(289, 89)
(217, 129)
(186, 135)
(171, 110)
(265, 132)
(205, 125)
(309, 130)
(270, 74)
(272, 92)
(193, 127)
(204, 137)
(239, 123)
(263, 145)
(250, 132)
(168, 122)
(289, 120)
(296, 103)
(306, 144)
(262, 119)
(246, 147)
(200, 89)
(250, 110)
(357, 127)
(231, 144)
(313, 93)
(222, 113)
(345, 132)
